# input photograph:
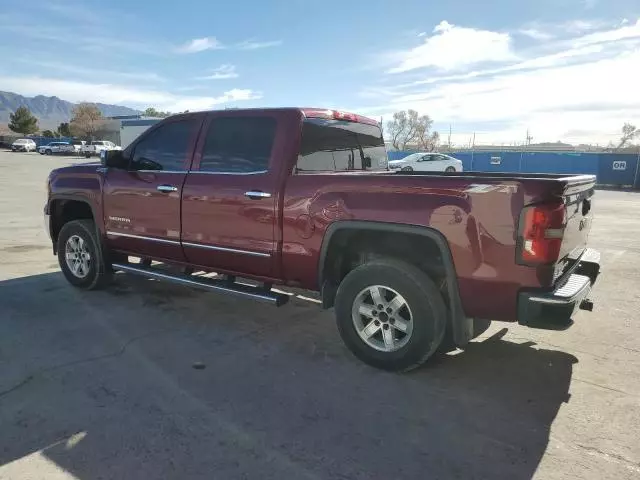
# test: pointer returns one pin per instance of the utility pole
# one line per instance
(473, 147)
(449, 141)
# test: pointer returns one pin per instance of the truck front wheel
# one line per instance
(390, 314)
(80, 256)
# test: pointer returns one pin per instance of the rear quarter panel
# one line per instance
(477, 219)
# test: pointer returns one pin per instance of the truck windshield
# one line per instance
(336, 145)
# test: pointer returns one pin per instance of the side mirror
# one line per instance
(114, 159)
(367, 162)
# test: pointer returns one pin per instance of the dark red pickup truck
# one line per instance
(412, 262)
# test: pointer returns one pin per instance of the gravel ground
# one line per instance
(101, 385)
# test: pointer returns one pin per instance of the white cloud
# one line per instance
(199, 45)
(536, 34)
(551, 102)
(452, 47)
(255, 45)
(223, 72)
(121, 94)
(87, 71)
(581, 91)
(580, 26)
(622, 33)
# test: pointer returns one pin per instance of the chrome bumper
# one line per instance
(553, 310)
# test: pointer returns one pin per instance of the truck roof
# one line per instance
(308, 112)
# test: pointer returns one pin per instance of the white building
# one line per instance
(132, 128)
(123, 130)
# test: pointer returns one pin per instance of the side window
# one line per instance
(427, 158)
(165, 148)
(238, 145)
(331, 145)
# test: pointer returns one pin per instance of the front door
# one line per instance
(229, 199)
(142, 203)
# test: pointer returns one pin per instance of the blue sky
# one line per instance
(564, 69)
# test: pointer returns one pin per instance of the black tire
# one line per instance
(99, 273)
(48, 152)
(407, 169)
(87, 155)
(450, 169)
(427, 307)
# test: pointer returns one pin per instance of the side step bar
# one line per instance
(211, 284)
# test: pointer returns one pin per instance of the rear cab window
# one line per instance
(330, 145)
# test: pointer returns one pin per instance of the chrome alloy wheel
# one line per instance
(77, 256)
(382, 318)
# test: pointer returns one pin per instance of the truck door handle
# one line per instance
(166, 188)
(257, 194)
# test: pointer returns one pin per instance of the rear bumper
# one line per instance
(554, 309)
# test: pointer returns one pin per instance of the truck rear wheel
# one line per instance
(390, 314)
(80, 256)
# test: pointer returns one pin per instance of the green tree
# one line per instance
(48, 134)
(87, 120)
(63, 130)
(152, 112)
(22, 121)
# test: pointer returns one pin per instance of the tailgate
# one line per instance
(578, 200)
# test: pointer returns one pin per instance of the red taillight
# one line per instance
(541, 232)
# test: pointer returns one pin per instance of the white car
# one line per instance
(78, 145)
(427, 162)
(56, 147)
(23, 145)
(97, 146)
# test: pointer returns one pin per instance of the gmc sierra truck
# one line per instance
(412, 262)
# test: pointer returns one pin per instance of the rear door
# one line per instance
(427, 163)
(229, 201)
(142, 203)
(438, 162)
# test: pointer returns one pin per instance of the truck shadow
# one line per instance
(101, 384)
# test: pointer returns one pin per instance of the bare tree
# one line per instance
(425, 138)
(629, 131)
(407, 127)
(402, 128)
(87, 120)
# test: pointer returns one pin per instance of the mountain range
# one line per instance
(51, 111)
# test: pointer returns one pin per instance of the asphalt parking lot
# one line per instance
(101, 385)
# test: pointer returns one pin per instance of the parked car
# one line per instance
(56, 147)
(23, 145)
(95, 147)
(427, 162)
(78, 145)
(412, 263)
